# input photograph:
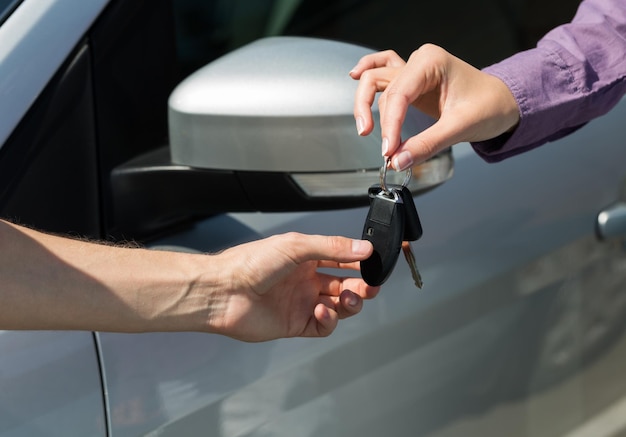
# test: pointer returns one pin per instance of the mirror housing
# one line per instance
(268, 127)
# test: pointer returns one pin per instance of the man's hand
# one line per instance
(274, 289)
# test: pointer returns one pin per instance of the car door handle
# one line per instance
(611, 222)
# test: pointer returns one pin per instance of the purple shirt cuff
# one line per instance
(576, 73)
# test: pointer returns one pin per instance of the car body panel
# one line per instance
(50, 385)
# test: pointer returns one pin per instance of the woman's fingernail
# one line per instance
(403, 161)
(385, 146)
(361, 247)
(360, 125)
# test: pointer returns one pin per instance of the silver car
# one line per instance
(197, 125)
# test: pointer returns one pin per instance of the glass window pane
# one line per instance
(481, 31)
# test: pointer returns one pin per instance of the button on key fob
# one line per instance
(384, 228)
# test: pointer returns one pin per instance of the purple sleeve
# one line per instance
(576, 73)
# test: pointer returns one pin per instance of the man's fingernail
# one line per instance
(385, 146)
(403, 161)
(361, 247)
(351, 300)
(360, 125)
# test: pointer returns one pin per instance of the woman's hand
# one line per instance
(469, 105)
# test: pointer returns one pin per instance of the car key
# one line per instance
(410, 259)
(384, 228)
(412, 232)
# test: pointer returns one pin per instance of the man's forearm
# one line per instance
(258, 291)
(50, 282)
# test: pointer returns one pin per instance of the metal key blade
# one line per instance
(410, 259)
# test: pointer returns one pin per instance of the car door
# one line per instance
(518, 331)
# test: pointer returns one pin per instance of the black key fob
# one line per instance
(384, 228)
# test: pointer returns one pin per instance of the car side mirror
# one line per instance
(267, 127)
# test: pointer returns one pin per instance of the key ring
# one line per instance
(383, 176)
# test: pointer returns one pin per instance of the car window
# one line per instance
(6, 8)
(481, 32)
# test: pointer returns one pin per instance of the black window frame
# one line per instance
(7, 7)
